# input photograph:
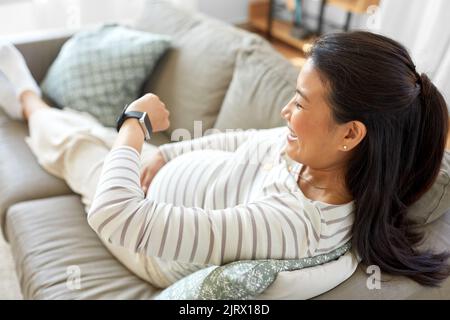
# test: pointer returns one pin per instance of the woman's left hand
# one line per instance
(156, 111)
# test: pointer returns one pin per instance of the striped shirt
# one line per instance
(220, 198)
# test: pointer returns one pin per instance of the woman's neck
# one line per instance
(327, 185)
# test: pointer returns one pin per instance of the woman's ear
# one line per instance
(355, 132)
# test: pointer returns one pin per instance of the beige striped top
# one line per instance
(220, 198)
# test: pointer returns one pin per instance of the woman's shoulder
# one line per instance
(329, 213)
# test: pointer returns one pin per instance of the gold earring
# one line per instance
(345, 147)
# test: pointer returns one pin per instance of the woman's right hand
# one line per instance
(150, 168)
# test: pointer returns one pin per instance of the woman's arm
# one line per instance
(228, 141)
(130, 133)
(225, 141)
(273, 227)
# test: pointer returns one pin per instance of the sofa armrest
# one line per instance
(40, 50)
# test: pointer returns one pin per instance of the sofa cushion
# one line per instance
(263, 82)
(58, 256)
(193, 77)
(160, 16)
(101, 70)
(311, 282)
(435, 201)
(21, 176)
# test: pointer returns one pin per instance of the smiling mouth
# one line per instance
(291, 135)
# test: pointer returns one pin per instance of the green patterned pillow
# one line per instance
(99, 71)
(241, 279)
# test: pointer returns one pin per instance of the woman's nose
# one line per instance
(285, 112)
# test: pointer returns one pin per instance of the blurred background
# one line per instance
(423, 26)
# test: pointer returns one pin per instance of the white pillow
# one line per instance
(310, 282)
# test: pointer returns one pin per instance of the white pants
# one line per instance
(72, 145)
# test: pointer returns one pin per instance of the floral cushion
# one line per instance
(241, 279)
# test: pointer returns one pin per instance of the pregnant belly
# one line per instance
(186, 179)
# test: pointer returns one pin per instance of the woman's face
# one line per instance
(315, 139)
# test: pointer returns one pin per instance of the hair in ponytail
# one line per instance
(372, 79)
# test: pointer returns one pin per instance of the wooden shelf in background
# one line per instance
(294, 55)
(354, 6)
(281, 30)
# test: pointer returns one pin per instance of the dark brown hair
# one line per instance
(372, 79)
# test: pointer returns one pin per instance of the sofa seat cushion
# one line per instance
(58, 256)
(194, 75)
(21, 176)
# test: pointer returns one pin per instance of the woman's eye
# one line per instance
(298, 105)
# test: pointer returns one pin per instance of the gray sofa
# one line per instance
(226, 77)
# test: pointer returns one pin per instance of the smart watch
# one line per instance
(142, 117)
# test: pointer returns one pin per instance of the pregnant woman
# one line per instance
(364, 139)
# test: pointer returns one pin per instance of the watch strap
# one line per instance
(145, 125)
